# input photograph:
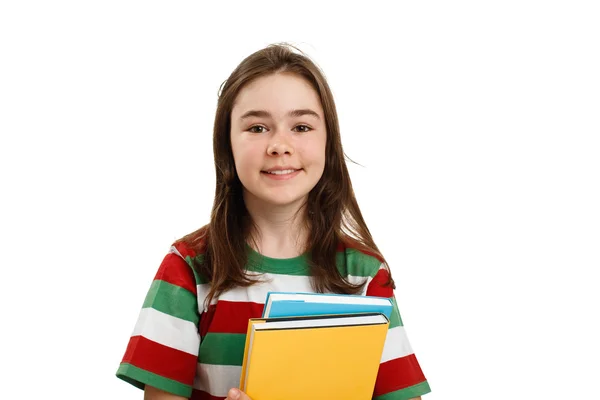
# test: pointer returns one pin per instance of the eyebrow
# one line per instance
(293, 113)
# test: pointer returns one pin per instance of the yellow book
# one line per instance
(313, 357)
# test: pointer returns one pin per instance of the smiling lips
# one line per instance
(282, 173)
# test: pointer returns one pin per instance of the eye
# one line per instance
(254, 128)
(304, 128)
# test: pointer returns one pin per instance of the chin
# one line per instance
(282, 201)
(267, 199)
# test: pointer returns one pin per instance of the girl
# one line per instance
(284, 218)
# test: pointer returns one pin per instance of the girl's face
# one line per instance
(278, 139)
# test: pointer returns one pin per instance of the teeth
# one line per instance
(282, 172)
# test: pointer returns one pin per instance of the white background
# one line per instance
(477, 125)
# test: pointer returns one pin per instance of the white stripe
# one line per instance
(396, 344)
(257, 293)
(174, 250)
(167, 330)
(269, 283)
(360, 279)
(201, 294)
(217, 379)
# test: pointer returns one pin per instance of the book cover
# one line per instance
(316, 357)
(287, 304)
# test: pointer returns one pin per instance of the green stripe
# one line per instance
(289, 266)
(222, 349)
(139, 378)
(192, 261)
(396, 319)
(349, 262)
(286, 267)
(353, 262)
(173, 300)
(199, 259)
(407, 393)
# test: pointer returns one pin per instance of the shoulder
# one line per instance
(191, 247)
(185, 251)
(179, 264)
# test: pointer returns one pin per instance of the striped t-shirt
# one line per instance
(183, 348)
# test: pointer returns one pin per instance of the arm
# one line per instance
(152, 393)
(400, 375)
(163, 349)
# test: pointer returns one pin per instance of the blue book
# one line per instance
(288, 304)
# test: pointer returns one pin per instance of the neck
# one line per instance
(279, 230)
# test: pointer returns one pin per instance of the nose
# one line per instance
(279, 145)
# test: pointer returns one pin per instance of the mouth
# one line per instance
(280, 171)
(281, 174)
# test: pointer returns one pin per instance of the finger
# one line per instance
(236, 394)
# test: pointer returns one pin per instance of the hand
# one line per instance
(236, 394)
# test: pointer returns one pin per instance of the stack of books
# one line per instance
(315, 346)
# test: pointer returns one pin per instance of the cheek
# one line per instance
(314, 152)
(245, 155)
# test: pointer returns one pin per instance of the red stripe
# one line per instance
(187, 251)
(193, 244)
(202, 395)
(377, 285)
(206, 320)
(232, 316)
(398, 374)
(176, 271)
(161, 360)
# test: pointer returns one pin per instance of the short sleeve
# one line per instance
(400, 376)
(163, 348)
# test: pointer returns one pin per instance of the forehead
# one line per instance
(277, 93)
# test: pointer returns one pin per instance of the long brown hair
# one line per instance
(334, 215)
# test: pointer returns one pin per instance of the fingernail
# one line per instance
(234, 394)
